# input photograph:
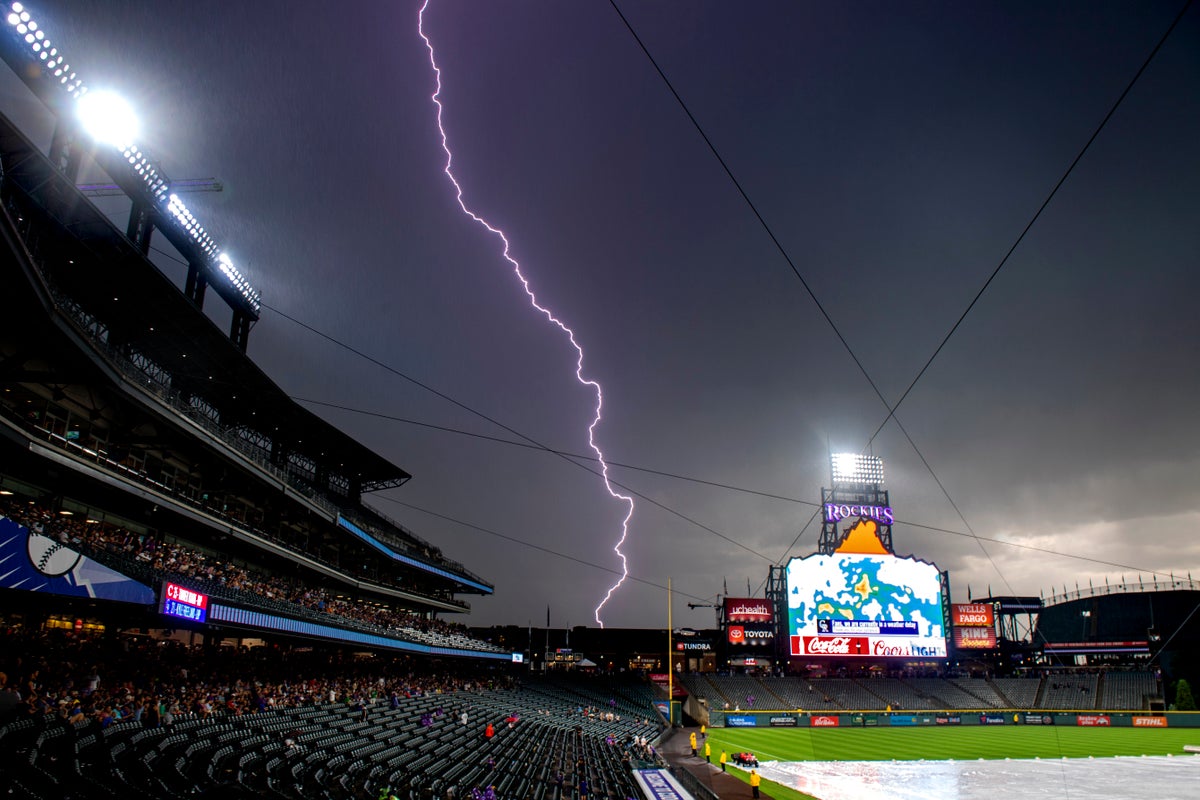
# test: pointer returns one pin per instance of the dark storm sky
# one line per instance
(896, 150)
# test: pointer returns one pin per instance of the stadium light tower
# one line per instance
(856, 468)
(108, 118)
(856, 493)
(110, 122)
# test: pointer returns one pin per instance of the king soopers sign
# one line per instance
(835, 512)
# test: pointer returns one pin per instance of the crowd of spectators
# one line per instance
(182, 562)
(78, 676)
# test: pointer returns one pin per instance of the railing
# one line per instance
(149, 376)
(1126, 587)
(141, 571)
(389, 538)
(153, 379)
(102, 461)
(697, 787)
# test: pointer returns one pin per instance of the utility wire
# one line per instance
(533, 442)
(531, 545)
(726, 486)
(891, 415)
(1037, 214)
(515, 432)
(820, 307)
(791, 264)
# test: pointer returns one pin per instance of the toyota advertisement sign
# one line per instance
(750, 635)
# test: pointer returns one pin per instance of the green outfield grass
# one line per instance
(959, 743)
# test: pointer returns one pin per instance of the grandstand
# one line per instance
(347, 734)
(1112, 690)
(1128, 690)
(125, 407)
(1069, 691)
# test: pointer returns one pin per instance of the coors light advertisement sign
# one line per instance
(751, 609)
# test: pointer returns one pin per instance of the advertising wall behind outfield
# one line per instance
(864, 601)
(952, 718)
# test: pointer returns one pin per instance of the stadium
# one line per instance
(198, 599)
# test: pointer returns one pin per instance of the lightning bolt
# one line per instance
(545, 311)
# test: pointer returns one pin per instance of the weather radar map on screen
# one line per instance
(864, 601)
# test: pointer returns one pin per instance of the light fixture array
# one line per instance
(54, 64)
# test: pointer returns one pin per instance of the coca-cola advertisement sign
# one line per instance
(825, 721)
(831, 646)
(748, 609)
(876, 646)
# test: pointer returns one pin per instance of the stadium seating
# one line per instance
(744, 692)
(1068, 690)
(1018, 692)
(1132, 690)
(142, 558)
(420, 748)
(797, 693)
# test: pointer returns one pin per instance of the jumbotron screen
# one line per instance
(864, 601)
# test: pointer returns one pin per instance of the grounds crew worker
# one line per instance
(692, 740)
(707, 753)
(724, 758)
(755, 780)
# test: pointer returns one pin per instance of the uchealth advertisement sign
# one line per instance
(738, 609)
(972, 614)
(875, 646)
(1149, 722)
(1093, 720)
(751, 635)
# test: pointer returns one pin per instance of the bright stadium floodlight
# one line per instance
(108, 118)
(856, 468)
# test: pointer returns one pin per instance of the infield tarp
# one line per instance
(1160, 777)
